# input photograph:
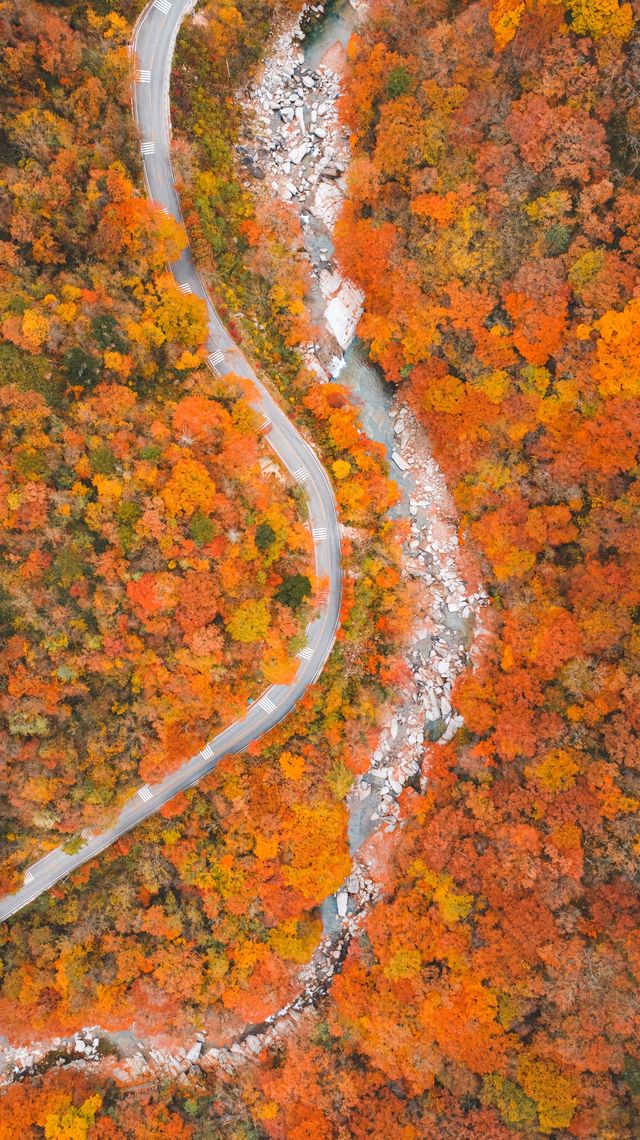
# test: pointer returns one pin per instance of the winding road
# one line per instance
(152, 53)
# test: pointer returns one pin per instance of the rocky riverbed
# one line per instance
(296, 148)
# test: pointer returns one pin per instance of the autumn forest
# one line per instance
(279, 952)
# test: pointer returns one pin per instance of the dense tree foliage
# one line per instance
(75, 1106)
(85, 295)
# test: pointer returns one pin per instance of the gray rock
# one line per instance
(298, 153)
(433, 729)
(424, 648)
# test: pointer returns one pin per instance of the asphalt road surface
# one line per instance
(152, 52)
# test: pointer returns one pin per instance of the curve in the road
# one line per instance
(152, 50)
